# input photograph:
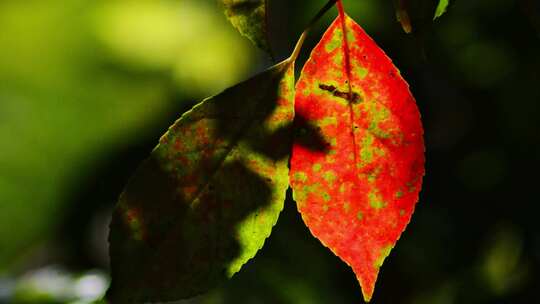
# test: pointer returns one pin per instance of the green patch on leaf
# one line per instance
(366, 150)
(335, 42)
(300, 176)
(376, 201)
(346, 207)
(338, 59)
(329, 176)
(358, 70)
(384, 253)
(326, 197)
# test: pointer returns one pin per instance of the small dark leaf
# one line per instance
(418, 15)
(403, 16)
(249, 18)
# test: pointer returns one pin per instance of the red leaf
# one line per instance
(358, 196)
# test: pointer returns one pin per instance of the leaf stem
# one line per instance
(345, 45)
(346, 53)
(298, 46)
(302, 38)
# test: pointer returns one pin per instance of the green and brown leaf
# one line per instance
(206, 199)
(249, 17)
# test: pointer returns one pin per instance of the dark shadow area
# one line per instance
(164, 248)
(95, 194)
(308, 135)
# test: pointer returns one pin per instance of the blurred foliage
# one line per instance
(87, 87)
(55, 285)
(184, 37)
(78, 78)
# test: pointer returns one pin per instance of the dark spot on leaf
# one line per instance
(329, 88)
(355, 98)
(343, 95)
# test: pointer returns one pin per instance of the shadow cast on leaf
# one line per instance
(206, 199)
(175, 247)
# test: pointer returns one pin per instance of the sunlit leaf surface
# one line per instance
(208, 196)
(358, 196)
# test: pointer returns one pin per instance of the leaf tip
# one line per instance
(367, 289)
(367, 297)
(366, 280)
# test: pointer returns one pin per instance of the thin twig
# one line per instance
(302, 38)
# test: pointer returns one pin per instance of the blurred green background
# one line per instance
(87, 88)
